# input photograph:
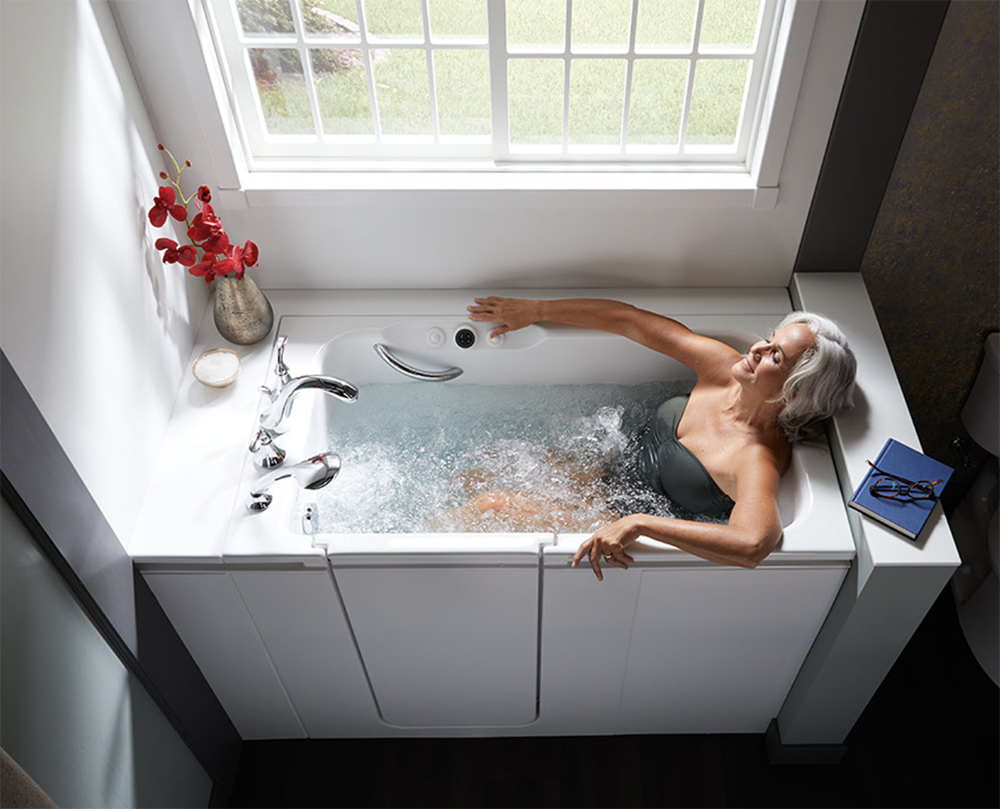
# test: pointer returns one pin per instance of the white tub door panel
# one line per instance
(716, 650)
(586, 625)
(208, 613)
(447, 646)
(303, 626)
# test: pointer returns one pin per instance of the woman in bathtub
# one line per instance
(721, 450)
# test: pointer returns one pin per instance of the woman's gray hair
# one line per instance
(822, 381)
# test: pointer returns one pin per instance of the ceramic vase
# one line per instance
(243, 314)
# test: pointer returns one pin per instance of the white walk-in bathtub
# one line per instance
(493, 633)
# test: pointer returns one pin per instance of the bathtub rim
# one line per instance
(276, 534)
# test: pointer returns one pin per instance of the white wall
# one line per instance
(422, 238)
(95, 326)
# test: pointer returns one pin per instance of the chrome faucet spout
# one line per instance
(312, 473)
(275, 414)
(266, 452)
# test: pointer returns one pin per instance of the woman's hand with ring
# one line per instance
(610, 542)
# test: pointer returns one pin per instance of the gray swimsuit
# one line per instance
(673, 470)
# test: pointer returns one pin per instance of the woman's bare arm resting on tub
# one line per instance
(702, 354)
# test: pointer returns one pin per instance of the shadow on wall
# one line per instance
(932, 266)
(609, 274)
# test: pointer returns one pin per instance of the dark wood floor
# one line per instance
(929, 737)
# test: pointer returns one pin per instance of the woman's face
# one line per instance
(769, 362)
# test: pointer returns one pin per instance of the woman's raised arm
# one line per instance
(701, 354)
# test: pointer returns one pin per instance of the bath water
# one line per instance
(433, 457)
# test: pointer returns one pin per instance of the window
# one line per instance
(653, 82)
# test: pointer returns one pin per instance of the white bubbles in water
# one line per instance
(415, 457)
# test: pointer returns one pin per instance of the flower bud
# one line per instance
(163, 175)
(187, 163)
(161, 147)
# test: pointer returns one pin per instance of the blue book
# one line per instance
(908, 511)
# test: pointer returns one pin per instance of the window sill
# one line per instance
(518, 185)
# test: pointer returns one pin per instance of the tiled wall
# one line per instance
(932, 265)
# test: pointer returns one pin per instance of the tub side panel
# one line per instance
(716, 650)
(447, 646)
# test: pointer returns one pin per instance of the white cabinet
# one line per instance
(302, 625)
(208, 613)
(455, 649)
(715, 650)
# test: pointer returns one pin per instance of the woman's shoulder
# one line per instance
(767, 451)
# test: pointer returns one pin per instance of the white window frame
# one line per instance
(195, 113)
(756, 134)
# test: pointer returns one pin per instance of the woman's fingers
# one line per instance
(595, 561)
(598, 548)
(587, 550)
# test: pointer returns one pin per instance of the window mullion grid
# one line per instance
(496, 36)
(567, 48)
(692, 65)
(431, 83)
(629, 65)
(307, 72)
(369, 70)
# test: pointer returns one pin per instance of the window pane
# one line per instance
(395, 19)
(657, 101)
(665, 26)
(716, 101)
(281, 88)
(535, 99)
(728, 25)
(337, 18)
(265, 16)
(457, 19)
(536, 25)
(596, 101)
(463, 92)
(402, 92)
(342, 91)
(601, 25)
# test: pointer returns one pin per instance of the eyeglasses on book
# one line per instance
(894, 487)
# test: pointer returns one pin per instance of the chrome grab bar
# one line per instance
(415, 373)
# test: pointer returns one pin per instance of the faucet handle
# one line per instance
(267, 454)
(284, 375)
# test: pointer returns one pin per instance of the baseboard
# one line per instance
(781, 754)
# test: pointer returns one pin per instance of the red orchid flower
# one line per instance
(217, 243)
(185, 255)
(204, 225)
(243, 257)
(206, 268)
(205, 231)
(164, 204)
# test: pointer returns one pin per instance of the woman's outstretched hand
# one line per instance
(511, 313)
(608, 543)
